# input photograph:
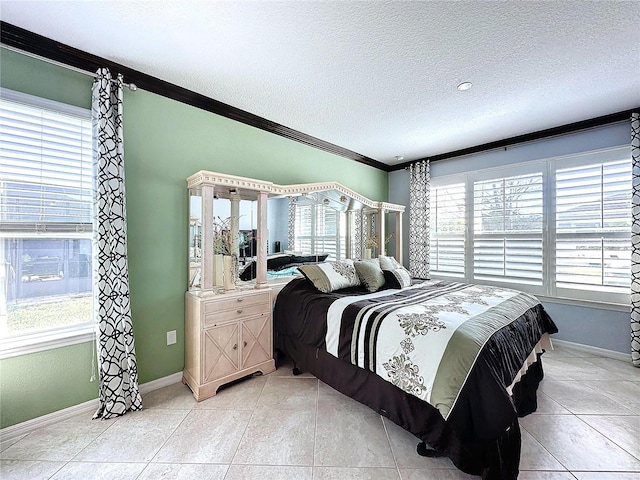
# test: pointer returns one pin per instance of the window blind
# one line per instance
(45, 170)
(320, 229)
(448, 229)
(593, 225)
(508, 229)
(303, 228)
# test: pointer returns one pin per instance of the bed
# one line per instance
(455, 364)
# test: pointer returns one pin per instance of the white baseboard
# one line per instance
(160, 383)
(89, 407)
(602, 352)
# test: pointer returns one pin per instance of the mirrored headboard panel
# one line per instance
(324, 219)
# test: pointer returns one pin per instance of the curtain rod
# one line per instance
(130, 86)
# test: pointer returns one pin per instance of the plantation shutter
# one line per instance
(508, 229)
(448, 229)
(45, 169)
(304, 216)
(593, 224)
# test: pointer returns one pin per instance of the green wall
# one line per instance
(165, 142)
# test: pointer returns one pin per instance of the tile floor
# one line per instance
(280, 427)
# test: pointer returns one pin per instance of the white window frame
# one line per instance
(549, 290)
(316, 239)
(54, 337)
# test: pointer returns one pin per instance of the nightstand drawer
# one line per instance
(242, 311)
(236, 302)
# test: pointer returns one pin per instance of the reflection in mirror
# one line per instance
(307, 223)
(195, 238)
(278, 225)
(320, 225)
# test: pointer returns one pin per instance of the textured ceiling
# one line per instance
(375, 77)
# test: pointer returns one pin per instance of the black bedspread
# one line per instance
(480, 433)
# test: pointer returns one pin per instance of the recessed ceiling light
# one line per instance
(465, 86)
(399, 158)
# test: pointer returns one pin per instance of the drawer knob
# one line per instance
(235, 347)
(239, 310)
(245, 344)
(240, 299)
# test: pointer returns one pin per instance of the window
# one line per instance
(559, 227)
(593, 226)
(448, 229)
(507, 233)
(46, 204)
(320, 229)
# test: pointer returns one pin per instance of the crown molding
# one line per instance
(528, 137)
(29, 42)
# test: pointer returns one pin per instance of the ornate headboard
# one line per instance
(367, 216)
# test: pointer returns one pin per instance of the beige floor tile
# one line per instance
(290, 393)
(278, 437)
(285, 427)
(606, 476)
(576, 445)
(554, 369)
(617, 369)
(578, 398)
(205, 436)
(268, 472)
(28, 469)
(329, 397)
(538, 475)
(134, 437)
(403, 446)
(622, 430)
(168, 471)
(99, 471)
(434, 474)
(547, 405)
(243, 395)
(4, 444)
(624, 392)
(535, 457)
(344, 473)
(176, 396)
(351, 436)
(576, 369)
(61, 441)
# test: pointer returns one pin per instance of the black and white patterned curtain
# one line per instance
(419, 179)
(358, 240)
(291, 234)
(117, 368)
(635, 240)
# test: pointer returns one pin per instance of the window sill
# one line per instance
(617, 307)
(25, 344)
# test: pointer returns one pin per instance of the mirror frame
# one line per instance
(212, 185)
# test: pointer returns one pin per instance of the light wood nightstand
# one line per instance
(227, 336)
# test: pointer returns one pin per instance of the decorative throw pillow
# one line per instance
(397, 278)
(370, 274)
(330, 276)
(388, 263)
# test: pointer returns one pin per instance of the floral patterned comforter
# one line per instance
(424, 339)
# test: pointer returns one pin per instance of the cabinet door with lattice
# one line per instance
(221, 351)
(256, 340)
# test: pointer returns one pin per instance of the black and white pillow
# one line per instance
(330, 276)
(397, 278)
